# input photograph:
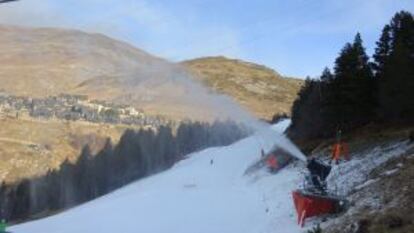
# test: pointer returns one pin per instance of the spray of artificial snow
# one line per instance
(280, 140)
(283, 142)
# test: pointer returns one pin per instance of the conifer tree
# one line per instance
(382, 51)
(397, 71)
(327, 75)
(353, 89)
(307, 119)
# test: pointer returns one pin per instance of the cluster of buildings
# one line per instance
(74, 108)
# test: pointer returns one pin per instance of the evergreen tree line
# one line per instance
(138, 154)
(360, 91)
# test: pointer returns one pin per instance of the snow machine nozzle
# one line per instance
(319, 171)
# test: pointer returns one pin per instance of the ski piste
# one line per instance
(193, 196)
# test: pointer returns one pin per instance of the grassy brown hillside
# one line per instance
(39, 62)
(260, 89)
(43, 62)
(30, 147)
(48, 61)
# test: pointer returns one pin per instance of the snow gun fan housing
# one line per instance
(314, 198)
(277, 159)
(273, 161)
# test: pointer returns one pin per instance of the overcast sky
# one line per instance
(295, 37)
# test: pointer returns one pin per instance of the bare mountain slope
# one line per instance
(40, 62)
(46, 61)
(260, 89)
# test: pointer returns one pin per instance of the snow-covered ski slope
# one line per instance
(194, 196)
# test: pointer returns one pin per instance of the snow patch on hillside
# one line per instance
(351, 175)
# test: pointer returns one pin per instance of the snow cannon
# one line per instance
(277, 159)
(314, 198)
(273, 161)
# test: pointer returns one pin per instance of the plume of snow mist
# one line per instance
(172, 87)
(106, 69)
(280, 139)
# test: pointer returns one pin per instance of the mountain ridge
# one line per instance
(41, 62)
(257, 87)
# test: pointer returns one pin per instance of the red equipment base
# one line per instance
(308, 205)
